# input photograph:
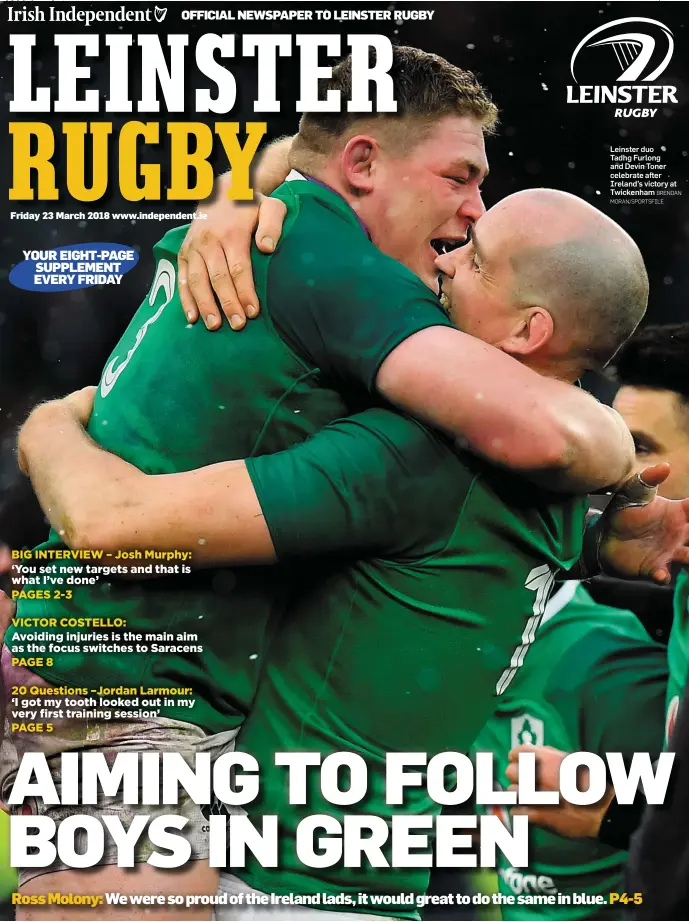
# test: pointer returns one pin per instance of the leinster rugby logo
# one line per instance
(619, 61)
(637, 49)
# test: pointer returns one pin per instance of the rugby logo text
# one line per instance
(629, 53)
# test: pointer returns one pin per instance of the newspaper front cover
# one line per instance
(334, 586)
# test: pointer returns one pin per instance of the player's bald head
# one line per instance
(580, 265)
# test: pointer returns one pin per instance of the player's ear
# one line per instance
(358, 163)
(531, 333)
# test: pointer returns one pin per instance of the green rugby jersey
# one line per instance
(173, 398)
(403, 650)
(678, 651)
(594, 681)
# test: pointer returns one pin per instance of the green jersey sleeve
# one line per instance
(623, 700)
(334, 297)
(366, 485)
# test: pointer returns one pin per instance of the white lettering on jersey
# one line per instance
(521, 882)
(540, 580)
(165, 279)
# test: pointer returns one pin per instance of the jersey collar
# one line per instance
(562, 597)
(330, 195)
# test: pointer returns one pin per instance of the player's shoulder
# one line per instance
(415, 464)
(586, 637)
(171, 242)
(597, 626)
(403, 452)
(582, 610)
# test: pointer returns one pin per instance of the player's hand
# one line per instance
(643, 533)
(80, 404)
(215, 259)
(569, 820)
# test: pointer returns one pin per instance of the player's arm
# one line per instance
(556, 434)
(94, 499)
(553, 433)
(388, 333)
(344, 490)
(385, 330)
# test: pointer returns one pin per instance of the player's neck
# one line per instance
(549, 367)
(329, 173)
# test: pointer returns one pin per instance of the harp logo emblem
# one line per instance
(643, 47)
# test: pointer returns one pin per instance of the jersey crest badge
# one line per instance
(527, 730)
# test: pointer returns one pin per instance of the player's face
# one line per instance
(660, 427)
(430, 195)
(477, 281)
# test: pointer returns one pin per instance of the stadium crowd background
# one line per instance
(52, 344)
